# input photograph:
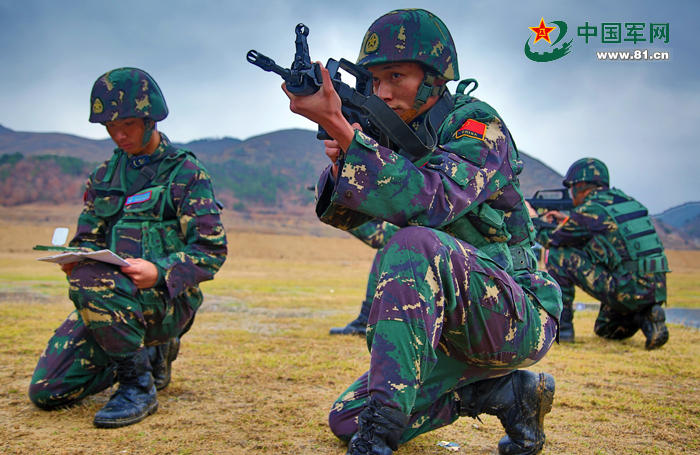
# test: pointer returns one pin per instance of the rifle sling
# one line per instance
(144, 177)
(400, 133)
(437, 114)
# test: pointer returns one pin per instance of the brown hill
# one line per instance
(32, 144)
(674, 238)
(42, 178)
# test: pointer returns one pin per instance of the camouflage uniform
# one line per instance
(374, 233)
(590, 250)
(174, 223)
(458, 297)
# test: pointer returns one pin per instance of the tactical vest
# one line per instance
(641, 241)
(143, 224)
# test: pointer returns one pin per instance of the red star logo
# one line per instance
(542, 31)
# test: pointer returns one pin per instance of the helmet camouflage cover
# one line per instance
(126, 92)
(589, 170)
(411, 35)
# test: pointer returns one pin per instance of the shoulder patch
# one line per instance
(139, 198)
(471, 128)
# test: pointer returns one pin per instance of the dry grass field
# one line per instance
(258, 371)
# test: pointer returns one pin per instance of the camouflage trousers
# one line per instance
(622, 295)
(112, 320)
(443, 315)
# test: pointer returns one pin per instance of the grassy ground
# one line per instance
(258, 372)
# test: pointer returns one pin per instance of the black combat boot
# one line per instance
(520, 400)
(135, 397)
(566, 324)
(161, 357)
(359, 325)
(379, 430)
(653, 325)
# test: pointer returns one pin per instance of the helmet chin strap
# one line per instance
(150, 126)
(426, 89)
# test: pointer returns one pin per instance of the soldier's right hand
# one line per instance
(333, 153)
(325, 109)
(68, 268)
(553, 216)
(531, 211)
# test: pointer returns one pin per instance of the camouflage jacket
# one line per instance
(173, 221)
(471, 176)
(374, 233)
(468, 188)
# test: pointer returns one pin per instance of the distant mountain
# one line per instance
(537, 176)
(271, 170)
(680, 216)
(42, 178)
(268, 173)
(684, 220)
(32, 144)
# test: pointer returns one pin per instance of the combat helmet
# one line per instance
(126, 92)
(412, 35)
(590, 170)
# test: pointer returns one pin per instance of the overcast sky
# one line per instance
(641, 118)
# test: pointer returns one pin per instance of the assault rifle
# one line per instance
(554, 199)
(359, 104)
(551, 199)
(303, 78)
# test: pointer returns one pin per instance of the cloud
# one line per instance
(640, 117)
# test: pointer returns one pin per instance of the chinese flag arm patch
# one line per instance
(471, 128)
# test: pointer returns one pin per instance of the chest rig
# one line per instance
(141, 219)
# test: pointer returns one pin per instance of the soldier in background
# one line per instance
(609, 247)
(153, 205)
(459, 306)
(374, 233)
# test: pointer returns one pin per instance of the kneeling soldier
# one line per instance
(154, 205)
(608, 247)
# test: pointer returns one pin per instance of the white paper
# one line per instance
(76, 256)
(60, 235)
